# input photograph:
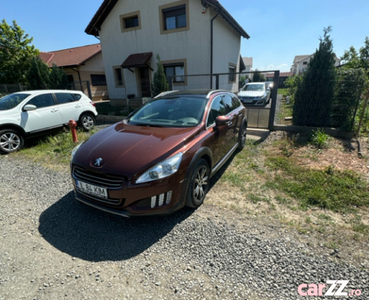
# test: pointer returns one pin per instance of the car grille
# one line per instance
(100, 179)
(97, 178)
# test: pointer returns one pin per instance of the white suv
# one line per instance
(30, 112)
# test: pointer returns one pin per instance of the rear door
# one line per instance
(45, 116)
(69, 106)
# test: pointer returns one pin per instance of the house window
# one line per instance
(305, 63)
(118, 77)
(175, 70)
(232, 73)
(98, 79)
(131, 21)
(174, 17)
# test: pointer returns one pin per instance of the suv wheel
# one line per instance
(87, 122)
(199, 184)
(10, 141)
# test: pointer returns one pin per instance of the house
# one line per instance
(190, 36)
(248, 62)
(84, 68)
(301, 62)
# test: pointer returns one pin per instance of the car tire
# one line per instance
(10, 141)
(198, 184)
(242, 136)
(87, 121)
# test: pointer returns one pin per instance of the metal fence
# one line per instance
(83, 86)
(258, 117)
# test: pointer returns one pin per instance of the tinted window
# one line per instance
(11, 101)
(235, 102)
(42, 100)
(218, 108)
(65, 97)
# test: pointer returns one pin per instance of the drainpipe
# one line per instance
(211, 48)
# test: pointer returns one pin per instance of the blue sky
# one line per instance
(279, 30)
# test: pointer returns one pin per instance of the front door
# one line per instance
(144, 83)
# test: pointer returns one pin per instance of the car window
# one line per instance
(171, 111)
(11, 101)
(253, 87)
(65, 98)
(235, 102)
(42, 100)
(217, 108)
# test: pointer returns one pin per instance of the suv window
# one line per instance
(65, 97)
(42, 101)
(11, 101)
(218, 108)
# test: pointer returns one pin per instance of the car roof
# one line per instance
(205, 92)
(34, 92)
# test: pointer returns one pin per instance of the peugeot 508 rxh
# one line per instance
(162, 156)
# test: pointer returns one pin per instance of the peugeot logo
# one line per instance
(97, 162)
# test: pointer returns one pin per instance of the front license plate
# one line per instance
(91, 189)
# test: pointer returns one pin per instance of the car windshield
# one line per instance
(253, 87)
(11, 101)
(171, 111)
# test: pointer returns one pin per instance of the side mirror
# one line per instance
(221, 121)
(29, 107)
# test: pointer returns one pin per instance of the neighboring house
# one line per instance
(301, 62)
(248, 62)
(133, 33)
(81, 65)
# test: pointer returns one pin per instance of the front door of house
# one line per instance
(145, 82)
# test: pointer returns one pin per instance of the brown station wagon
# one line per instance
(161, 157)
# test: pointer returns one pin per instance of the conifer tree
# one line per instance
(160, 83)
(314, 96)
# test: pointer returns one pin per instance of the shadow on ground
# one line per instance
(93, 235)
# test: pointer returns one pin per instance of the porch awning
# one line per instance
(137, 60)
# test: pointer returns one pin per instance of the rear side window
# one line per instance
(42, 101)
(66, 97)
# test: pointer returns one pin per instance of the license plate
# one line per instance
(91, 189)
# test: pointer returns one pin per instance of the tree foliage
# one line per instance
(314, 96)
(16, 53)
(258, 77)
(160, 83)
(58, 78)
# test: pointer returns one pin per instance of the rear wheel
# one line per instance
(87, 121)
(10, 141)
(242, 136)
(199, 184)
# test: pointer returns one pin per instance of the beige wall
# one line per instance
(192, 45)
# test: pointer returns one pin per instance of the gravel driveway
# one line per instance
(52, 247)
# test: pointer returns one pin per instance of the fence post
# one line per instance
(274, 100)
(170, 81)
(89, 89)
(217, 81)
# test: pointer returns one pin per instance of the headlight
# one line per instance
(75, 150)
(162, 170)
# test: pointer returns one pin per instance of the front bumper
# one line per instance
(128, 199)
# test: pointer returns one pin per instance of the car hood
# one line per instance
(129, 150)
(251, 94)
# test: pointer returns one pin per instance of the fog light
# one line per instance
(161, 200)
(153, 201)
(169, 197)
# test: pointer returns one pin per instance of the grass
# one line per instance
(54, 150)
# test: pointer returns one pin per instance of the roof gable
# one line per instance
(70, 57)
(107, 6)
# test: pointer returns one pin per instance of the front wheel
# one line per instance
(10, 141)
(87, 121)
(199, 184)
